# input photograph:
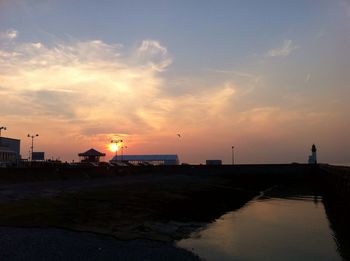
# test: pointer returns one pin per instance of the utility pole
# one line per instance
(123, 147)
(116, 151)
(32, 147)
(233, 155)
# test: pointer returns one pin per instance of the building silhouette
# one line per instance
(91, 156)
(313, 156)
(9, 151)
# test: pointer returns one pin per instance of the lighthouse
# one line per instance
(313, 157)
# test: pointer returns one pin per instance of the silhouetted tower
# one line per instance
(313, 156)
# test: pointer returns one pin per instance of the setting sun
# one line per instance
(113, 147)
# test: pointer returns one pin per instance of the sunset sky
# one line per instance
(268, 77)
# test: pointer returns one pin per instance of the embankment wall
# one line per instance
(336, 180)
(249, 172)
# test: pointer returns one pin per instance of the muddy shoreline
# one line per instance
(158, 206)
(149, 204)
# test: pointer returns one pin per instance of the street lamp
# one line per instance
(233, 155)
(2, 128)
(123, 147)
(32, 137)
(116, 151)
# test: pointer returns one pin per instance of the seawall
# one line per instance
(251, 172)
(336, 180)
(336, 188)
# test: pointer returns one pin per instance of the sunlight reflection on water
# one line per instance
(293, 228)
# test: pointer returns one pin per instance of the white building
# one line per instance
(162, 159)
(9, 151)
(313, 156)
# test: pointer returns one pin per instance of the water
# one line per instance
(288, 228)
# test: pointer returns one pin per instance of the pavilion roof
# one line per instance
(91, 152)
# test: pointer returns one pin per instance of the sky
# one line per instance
(267, 77)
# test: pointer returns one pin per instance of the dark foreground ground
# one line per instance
(140, 215)
(61, 245)
(163, 207)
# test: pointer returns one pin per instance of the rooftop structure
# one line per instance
(91, 155)
(159, 159)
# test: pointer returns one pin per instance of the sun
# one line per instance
(113, 147)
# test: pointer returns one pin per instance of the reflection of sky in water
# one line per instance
(271, 229)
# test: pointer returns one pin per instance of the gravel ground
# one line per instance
(57, 244)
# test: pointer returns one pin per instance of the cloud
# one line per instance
(85, 91)
(285, 50)
(51, 103)
(191, 110)
(9, 34)
(273, 122)
(151, 53)
(79, 94)
(252, 78)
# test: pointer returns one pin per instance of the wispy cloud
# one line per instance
(283, 51)
(239, 74)
(9, 34)
(85, 80)
(95, 89)
(151, 53)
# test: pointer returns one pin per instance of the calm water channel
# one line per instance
(268, 228)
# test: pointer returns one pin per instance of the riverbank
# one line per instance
(162, 203)
(152, 204)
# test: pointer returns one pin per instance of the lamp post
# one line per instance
(123, 147)
(32, 147)
(116, 151)
(2, 128)
(233, 155)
